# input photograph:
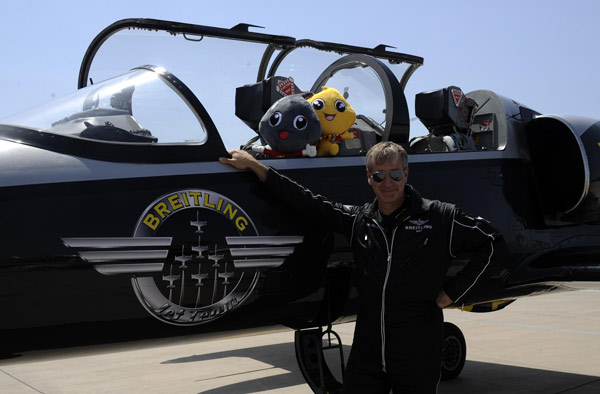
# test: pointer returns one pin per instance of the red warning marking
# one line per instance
(286, 87)
(457, 95)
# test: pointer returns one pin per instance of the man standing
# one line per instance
(402, 246)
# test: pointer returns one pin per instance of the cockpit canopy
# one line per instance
(214, 63)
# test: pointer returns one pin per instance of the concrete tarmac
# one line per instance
(546, 344)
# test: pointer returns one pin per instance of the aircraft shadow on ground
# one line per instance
(277, 356)
(477, 377)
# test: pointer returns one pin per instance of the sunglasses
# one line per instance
(379, 176)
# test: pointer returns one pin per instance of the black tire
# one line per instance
(454, 352)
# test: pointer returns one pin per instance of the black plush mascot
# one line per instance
(290, 127)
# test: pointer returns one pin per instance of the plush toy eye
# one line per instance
(275, 119)
(300, 122)
(340, 106)
(318, 104)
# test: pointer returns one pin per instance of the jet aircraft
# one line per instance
(115, 208)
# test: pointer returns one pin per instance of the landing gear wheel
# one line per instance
(454, 352)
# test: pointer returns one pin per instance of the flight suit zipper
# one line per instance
(389, 247)
(387, 275)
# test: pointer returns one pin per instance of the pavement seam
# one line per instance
(236, 374)
(577, 387)
(20, 381)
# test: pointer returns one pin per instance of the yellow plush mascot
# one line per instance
(336, 116)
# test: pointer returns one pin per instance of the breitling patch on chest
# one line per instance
(418, 225)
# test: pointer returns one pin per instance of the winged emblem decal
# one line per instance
(195, 255)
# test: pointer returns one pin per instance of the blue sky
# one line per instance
(544, 54)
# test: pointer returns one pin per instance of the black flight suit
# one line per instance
(401, 263)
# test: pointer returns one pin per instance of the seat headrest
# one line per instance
(445, 111)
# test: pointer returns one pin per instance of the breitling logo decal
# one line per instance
(195, 255)
(418, 225)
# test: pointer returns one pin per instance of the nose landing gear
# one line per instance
(309, 353)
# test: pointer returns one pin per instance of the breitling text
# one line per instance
(169, 204)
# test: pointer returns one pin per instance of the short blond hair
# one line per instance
(386, 152)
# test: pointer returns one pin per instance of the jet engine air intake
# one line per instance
(565, 153)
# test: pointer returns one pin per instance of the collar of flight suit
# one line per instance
(413, 205)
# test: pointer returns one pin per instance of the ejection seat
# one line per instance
(448, 114)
